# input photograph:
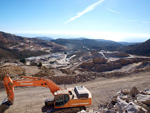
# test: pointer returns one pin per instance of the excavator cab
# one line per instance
(61, 100)
(58, 101)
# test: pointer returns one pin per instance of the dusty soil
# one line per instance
(31, 70)
(31, 99)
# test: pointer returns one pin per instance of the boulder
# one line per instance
(146, 92)
(123, 95)
(121, 105)
(145, 99)
(125, 98)
(133, 92)
(133, 108)
(144, 106)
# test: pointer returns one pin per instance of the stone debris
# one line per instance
(126, 101)
(145, 99)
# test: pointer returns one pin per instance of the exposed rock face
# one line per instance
(100, 64)
(144, 64)
(127, 101)
(99, 60)
(116, 54)
(87, 65)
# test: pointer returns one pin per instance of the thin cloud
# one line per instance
(113, 11)
(88, 9)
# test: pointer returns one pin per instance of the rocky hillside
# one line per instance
(100, 64)
(139, 49)
(19, 47)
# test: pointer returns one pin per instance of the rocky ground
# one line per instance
(126, 101)
(31, 99)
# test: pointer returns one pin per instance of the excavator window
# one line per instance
(61, 100)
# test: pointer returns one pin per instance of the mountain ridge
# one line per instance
(20, 47)
(138, 49)
(88, 43)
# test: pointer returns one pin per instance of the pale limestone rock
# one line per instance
(145, 99)
(133, 108)
(146, 92)
(83, 111)
(144, 106)
(121, 105)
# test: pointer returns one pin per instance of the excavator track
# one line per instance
(65, 110)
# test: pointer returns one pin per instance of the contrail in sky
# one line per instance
(113, 11)
(88, 9)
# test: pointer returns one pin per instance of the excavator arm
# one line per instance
(27, 81)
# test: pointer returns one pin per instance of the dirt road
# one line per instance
(31, 99)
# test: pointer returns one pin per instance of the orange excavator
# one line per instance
(69, 100)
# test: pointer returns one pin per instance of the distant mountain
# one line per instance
(138, 49)
(22, 47)
(80, 38)
(44, 38)
(128, 43)
(75, 44)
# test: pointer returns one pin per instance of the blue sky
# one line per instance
(118, 20)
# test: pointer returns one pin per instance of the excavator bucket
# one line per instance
(4, 106)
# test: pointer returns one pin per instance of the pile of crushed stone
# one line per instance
(126, 101)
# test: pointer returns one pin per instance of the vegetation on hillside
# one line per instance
(21, 47)
(75, 44)
(138, 49)
(8, 53)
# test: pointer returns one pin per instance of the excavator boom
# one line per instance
(27, 81)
